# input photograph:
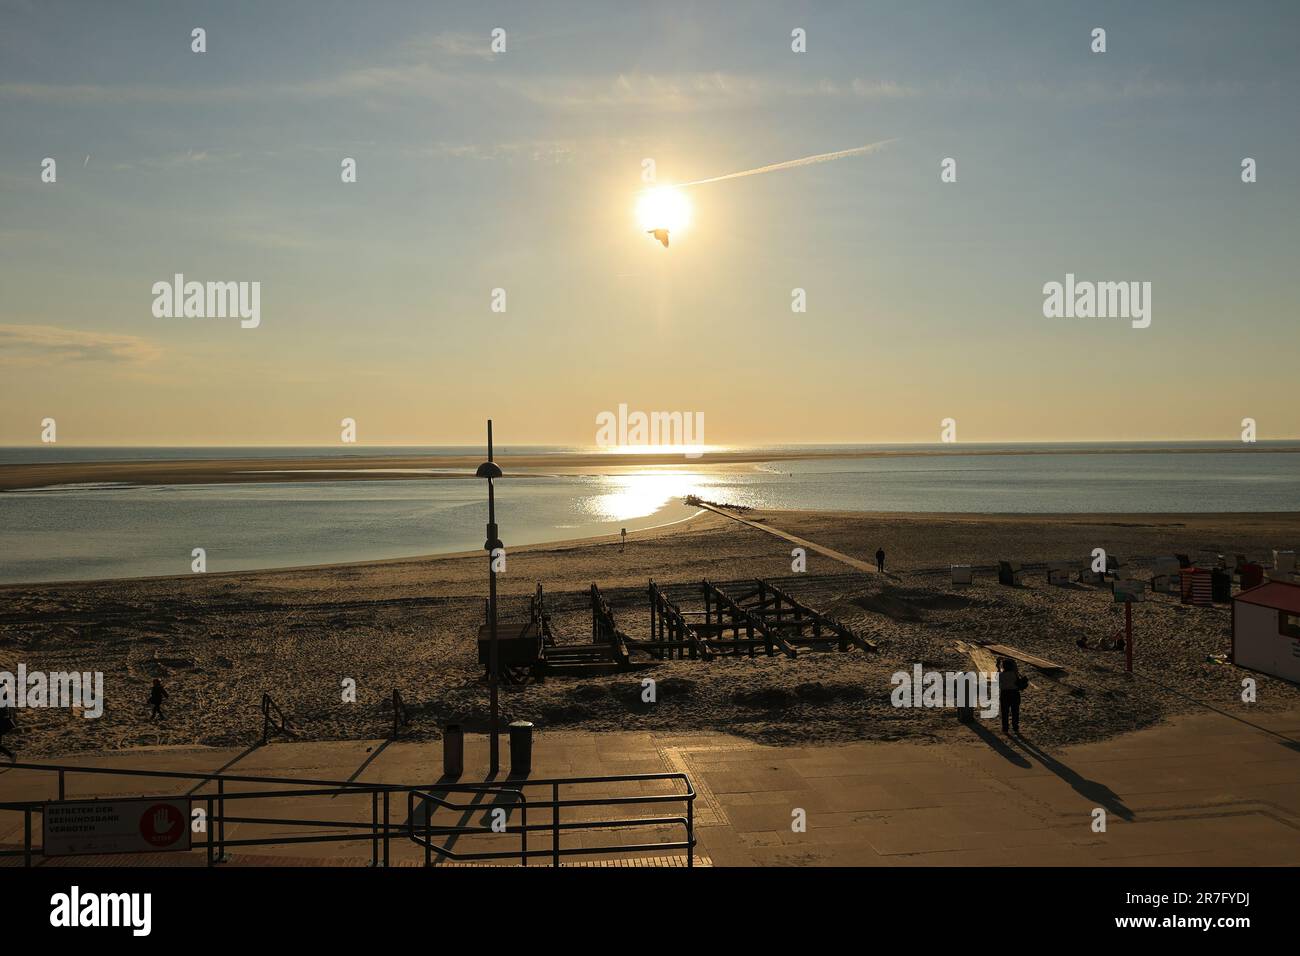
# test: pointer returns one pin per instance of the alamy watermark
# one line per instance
(179, 299)
(683, 430)
(1098, 300)
(56, 689)
(923, 688)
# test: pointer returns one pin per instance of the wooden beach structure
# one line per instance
(671, 636)
(528, 650)
(728, 619)
(606, 653)
(1005, 650)
(740, 619)
(520, 641)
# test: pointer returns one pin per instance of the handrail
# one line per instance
(400, 717)
(182, 775)
(555, 804)
(379, 832)
(216, 842)
(276, 723)
(446, 852)
(604, 629)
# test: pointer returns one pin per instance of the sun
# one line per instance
(663, 207)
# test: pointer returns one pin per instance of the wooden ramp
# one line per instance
(985, 662)
(794, 539)
(1006, 650)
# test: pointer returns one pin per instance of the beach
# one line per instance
(218, 641)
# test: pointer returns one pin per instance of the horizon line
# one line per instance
(625, 450)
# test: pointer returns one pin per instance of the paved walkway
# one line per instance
(1204, 790)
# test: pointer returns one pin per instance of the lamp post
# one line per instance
(490, 471)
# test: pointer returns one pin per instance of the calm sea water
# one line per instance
(76, 533)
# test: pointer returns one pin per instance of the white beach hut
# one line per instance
(1266, 629)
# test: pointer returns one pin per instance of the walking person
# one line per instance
(880, 559)
(156, 697)
(1010, 684)
(7, 724)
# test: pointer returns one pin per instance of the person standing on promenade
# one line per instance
(1010, 684)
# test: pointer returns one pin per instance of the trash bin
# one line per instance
(521, 748)
(453, 750)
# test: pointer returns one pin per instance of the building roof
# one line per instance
(1277, 594)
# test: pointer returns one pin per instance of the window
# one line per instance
(1288, 624)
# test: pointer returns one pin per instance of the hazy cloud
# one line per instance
(43, 344)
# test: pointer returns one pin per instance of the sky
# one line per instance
(521, 171)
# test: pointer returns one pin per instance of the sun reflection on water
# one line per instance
(625, 497)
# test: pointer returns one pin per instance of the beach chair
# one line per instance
(1058, 572)
(1197, 587)
(1166, 576)
(1010, 574)
(1283, 566)
(962, 574)
(1221, 585)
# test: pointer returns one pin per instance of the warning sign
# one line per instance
(116, 826)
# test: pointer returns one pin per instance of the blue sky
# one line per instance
(520, 171)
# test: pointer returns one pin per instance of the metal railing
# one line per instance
(381, 829)
(556, 826)
(400, 716)
(273, 719)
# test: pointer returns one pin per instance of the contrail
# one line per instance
(790, 164)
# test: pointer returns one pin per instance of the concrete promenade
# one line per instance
(1205, 790)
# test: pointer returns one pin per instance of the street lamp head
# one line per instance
(489, 469)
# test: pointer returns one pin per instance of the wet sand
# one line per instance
(365, 467)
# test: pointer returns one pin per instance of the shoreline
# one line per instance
(776, 515)
(33, 475)
(219, 640)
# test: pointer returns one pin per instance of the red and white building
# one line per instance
(1266, 629)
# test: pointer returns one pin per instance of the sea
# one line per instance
(84, 532)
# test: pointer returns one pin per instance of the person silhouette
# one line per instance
(7, 724)
(880, 559)
(156, 697)
(1009, 693)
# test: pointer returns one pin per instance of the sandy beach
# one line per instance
(218, 641)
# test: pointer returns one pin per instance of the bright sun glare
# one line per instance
(663, 207)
